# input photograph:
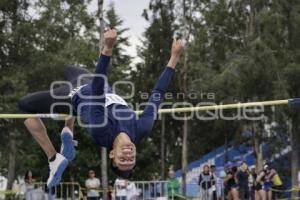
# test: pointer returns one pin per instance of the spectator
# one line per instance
(268, 174)
(173, 185)
(242, 179)
(206, 181)
(276, 185)
(92, 185)
(230, 182)
(110, 191)
(214, 186)
(19, 187)
(220, 185)
(29, 184)
(16, 187)
(120, 189)
(132, 193)
(260, 194)
(3, 186)
(251, 182)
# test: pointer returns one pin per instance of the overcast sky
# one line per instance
(130, 11)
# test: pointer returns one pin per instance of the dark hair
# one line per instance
(212, 166)
(122, 174)
(26, 178)
(269, 165)
(234, 169)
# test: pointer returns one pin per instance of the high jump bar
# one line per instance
(171, 110)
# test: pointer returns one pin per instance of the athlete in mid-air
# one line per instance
(107, 117)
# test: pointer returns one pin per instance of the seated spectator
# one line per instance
(92, 185)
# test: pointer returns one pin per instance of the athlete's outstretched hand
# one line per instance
(110, 37)
(176, 49)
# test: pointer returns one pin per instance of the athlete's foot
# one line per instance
(57, 167)
(67, 144)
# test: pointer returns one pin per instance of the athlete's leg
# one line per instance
(68, 147)
(37, 129)
(72, 72)
(70, 123)
(40, 102)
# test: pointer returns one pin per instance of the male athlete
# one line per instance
(107, 117)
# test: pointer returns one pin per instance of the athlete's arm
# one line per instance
(146, 120)
(103, 62)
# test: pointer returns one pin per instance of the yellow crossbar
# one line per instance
(161, 111)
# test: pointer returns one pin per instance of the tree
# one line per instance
(290, 74)
(186, 29)
(16, 40)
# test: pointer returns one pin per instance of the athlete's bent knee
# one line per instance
(24, 105)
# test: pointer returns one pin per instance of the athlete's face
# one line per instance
(123, 156)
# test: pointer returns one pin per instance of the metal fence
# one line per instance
(207, 189)
(149, 190)
(146, 190)
(39, 191)
(63, 191)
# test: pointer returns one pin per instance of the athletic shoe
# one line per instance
(57, 167)
(67, 148)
